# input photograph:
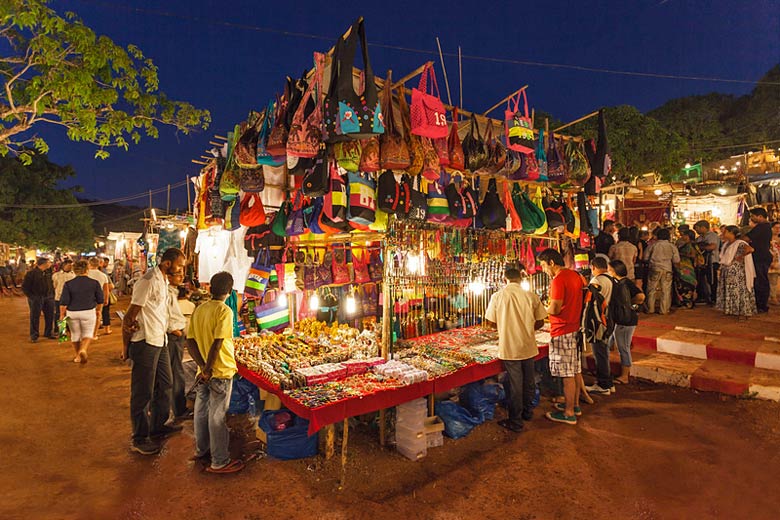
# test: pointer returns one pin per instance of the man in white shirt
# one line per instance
(517, 313)
(59, 279)
(604, 384)
(177, 325)
(144, 338)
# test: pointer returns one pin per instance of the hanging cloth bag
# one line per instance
(518, 126)
(392, 196)
(349, 115)
(474, 147)
(251, 180)
(369, 155)
(348, 154)
(514, 221)
(362, 199)
(264, 157)
(428, 117)
(492, 213)
(259, 275)
(454, 146)
(246, 147)
(556, 170)
(277, 139)
(252, 212)
(296, 224)
(540, 206)
(340, 267)
(360, 267)
(541, 157)
(305, 135)
(431, 163)
(316, 182)
(393, 149)
(438, 206)
(418, 203)
(273, 316)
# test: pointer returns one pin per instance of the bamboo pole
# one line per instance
(221, 138)
(444, 71)
(489, 110)
(198, 162)
(344, 441)
(583, 118)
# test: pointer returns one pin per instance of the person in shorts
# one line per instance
(565, 311)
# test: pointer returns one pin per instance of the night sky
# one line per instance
(230, 69)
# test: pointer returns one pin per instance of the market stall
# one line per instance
(394, 221)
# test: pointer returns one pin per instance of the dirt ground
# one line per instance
(648, 452)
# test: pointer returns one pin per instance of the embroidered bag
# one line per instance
(316, 182)
(360, 267)
(394, 151)
(296, 225)
(518, 126)
(375, 267)
(454, 147)
(369, 155)
(347, 114)
(418, 203)
(340, 267)
(428, 117)
(431, 166)
(541, 157)
(277, 139)
(324, 269)
(392, 196)
(305, 132)
(264, 157)
(438, 207)
(416, 153)
(347, 154)
(556, 170)
(336, 200)
(251, 180)
(246, 147)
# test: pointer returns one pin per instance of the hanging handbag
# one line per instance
(541, 157)
(521, 172)
(362, 199)
(370, 300)
(463, 202)
(273, 316)
(438, 206)
(360, 267)
(347, 155)
(264, 157)
(454, 147)
(532, 167)
(492, 213)
(393, 149)
(375, 267)
(474, 147)
(279, 223)
(518, 126)
(285, 271)
(428, 117)
(340, 267)
(252, 212)
(296, 225)
(259, 274)
(317, 181)
(579, 169)
(441, 147)
(530, 214)
(336, 200)
(540, 206)
(556, 170)
(380, 221)
(369, 155)
(246, 147)
(349, 115)
(311, 216)
(553, 211)
(573, 230)
(275, 178)
(514, 222)
(305, 135)
(277, 139)
(324, 269)
(251, 180)
(414, 142)
(431, 166)
(418, 203)
(392, 196)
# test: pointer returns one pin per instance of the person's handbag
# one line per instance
(428, 117)
(518, 126)
(112, 299)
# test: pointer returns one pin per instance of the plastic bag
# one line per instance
(458, 422)
(244, 397)
(290, 443)
(480, 399)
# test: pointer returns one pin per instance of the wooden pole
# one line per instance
(382, 427)
(220, 138)
(444, 71)
(198, 162)
(460, 74)
(583, 118)
(344, 441)
(189, 200)
(168, 203)
(489, 110)
(546, 131)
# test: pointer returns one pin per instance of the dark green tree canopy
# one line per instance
(57, 71)
(37, 185)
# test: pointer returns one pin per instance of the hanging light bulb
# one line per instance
(282, 299)
(314, 301)
(658, 192)
(412, 263)
(525, 284)
(350, 305)
(183, 233)
(477, 286)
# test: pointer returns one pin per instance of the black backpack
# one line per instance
(621, 312)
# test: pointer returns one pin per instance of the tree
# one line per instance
(36, 184)
(59, 72)
(639, 144)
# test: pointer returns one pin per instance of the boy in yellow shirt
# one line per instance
(210, 343)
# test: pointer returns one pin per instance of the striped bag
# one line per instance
(438, 207)
(259, 275)
(273, 316)
(362, 200)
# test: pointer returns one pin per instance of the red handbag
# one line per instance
(428, 116)
(252, 212)
(519, 126)
(360, 266)
(340, 268)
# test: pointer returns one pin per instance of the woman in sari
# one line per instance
(737, 274)
(688, 254)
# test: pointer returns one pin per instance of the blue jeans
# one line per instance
(212, 400)
(623, 336)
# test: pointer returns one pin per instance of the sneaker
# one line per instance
(504, 423)
(145, 447)
(596, 389)
(166, 430)
(232, 466)
(562, 408)
(561, 417)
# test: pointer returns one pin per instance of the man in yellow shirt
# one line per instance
(210, 343)
(517, 313)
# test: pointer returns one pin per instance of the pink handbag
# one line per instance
(428, 117)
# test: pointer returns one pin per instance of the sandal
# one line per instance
(234, 466)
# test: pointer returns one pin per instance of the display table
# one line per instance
(331, 413)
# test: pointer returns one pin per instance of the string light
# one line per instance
(282, 299)
(350, 305)
(314, 301)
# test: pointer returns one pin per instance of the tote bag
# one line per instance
(259, 275)
(273, 316)
(428, 117)
(518, 126)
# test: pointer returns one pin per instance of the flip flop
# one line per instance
(82, 357)
(234, 466)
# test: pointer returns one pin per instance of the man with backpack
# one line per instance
(625, 296)
(600, 332)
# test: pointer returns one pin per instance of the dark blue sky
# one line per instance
(230, 70)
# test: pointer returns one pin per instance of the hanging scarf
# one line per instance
(727, 258)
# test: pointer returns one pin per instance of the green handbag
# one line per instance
(279, 224)
(531, 216)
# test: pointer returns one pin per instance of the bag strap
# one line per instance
(525, 102)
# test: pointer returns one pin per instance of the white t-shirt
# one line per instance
(99, 276)
(212, 247)
(59, 279)
(237, 262)
(605, 283)
(515, 311)
(150, 293)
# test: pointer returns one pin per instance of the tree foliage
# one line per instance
(37, 184)
(57, 71)
(639, 144)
